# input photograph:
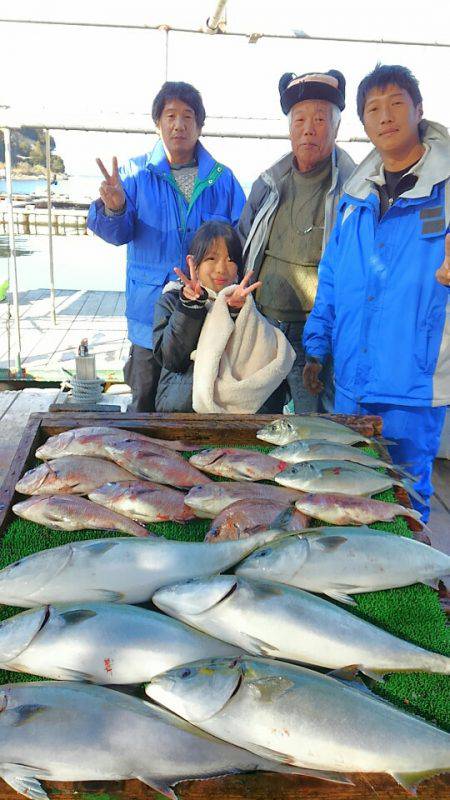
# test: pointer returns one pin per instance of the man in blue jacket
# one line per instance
(382, 305)
(154, 205)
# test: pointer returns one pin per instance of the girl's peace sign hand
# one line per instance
(192, 289)
(239, 296)
(111, 190)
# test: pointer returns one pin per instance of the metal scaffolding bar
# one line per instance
(12, 246)
(299, 35)
(50, 227)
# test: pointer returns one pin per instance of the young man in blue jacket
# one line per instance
(154, 205)
(382, 305)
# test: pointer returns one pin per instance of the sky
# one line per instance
(109, 76)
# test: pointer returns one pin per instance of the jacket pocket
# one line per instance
(144, 287)
(429, 341)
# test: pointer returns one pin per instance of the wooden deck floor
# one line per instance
(45, 347)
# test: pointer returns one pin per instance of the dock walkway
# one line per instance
(46, 348)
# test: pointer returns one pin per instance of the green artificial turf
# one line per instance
(412, 613)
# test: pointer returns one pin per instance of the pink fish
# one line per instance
(210, 500)
(167, 467)
(66, 512)
(346, 509)
(235, 464)
(91, 441)
(246, 517)
(144, 501)
(71, 475)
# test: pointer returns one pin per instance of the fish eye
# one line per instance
(185, 673)
(264, 552)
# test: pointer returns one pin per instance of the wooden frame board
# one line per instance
(201, 429)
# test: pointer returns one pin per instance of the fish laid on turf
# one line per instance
(340, 562)
(235, 464)
(338, 476)
(286, 430)
(318, 450)
(71, 475)
(301, 717)
(143, 501)
(90, 441)
(119, 570)
(101, 643)
(67, 512)
(59, 731)
(244, 517)
(168, 468)
(210, 500)
(348, 509)
(278, 621)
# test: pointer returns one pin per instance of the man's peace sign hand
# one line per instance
(192, 288)
(239, 296)
(443, 273)
(111, 190)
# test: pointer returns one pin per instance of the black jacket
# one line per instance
(176, 330)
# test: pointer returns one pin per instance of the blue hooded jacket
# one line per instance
(379, 308)
(158, 226)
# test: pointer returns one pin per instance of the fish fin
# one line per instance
(22, 779)
(407, 485)
(329, 543)
(411, 780)
(108, 596)
(351, 676)
(283, 519)
(341, 597)
(77, 616)
(382, 440)
(258, 647)
(324, 775)
(288, 764)
(402, 471)
(67, 674)
(157, 785)
(101, 547)
(24, 713)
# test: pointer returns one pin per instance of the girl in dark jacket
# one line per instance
(214, 263)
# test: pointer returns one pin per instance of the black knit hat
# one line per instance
(312, 86)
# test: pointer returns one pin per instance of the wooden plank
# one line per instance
(254, 786)
(120, 307)
(108, 304)
(6, 400)
(23, 460)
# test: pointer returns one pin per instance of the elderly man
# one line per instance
(289, 216)
(154, 205)
(382, 304)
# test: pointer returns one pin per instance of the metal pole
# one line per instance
(12, 245)
(213, 22)
(166, 76)
(49, 222)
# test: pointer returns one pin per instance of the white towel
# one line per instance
(238, 364)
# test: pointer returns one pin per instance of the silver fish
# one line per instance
(318, 450)
(235, 464)
(101, 643)
(303, 718)
(67, 512)
(340, 562)
(91, 441)
(210, 500)
(278, 621)
(292, 428)
(58, 731)
(120, 570)
(337, 476)
(143, 501)
(70, 475)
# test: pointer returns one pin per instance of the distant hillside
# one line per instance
(28, 152)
